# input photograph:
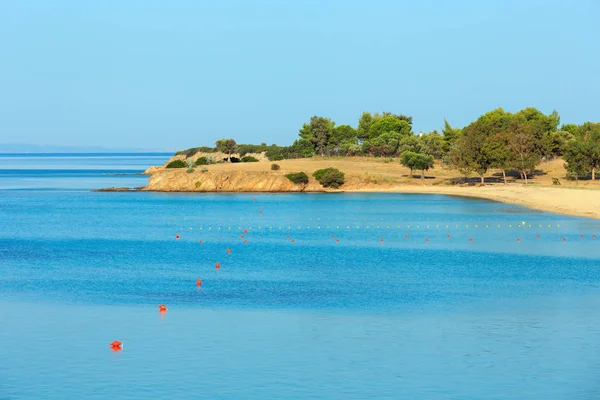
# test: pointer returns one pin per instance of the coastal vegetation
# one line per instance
(329, 177)
(299, 178)
(177, 164)
(512, 143)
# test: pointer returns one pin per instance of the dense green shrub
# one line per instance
(318, 174)
(275, 167)
(298, 178)
(177, 164)
(248, 159)
(330, 177)
(202, 161)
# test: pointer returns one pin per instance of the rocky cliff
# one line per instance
(179, 180)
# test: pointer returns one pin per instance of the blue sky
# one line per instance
(176, 74)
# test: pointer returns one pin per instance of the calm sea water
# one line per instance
(371, 299)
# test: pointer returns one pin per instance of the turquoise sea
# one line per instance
(323, 296)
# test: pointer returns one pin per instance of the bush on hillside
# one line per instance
(298, 178)
(177, 164)
(190, 166)
(318, 174)
(248, 159)
(202, 161)
(275, 167)
(330, 178)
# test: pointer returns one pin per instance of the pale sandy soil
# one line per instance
(568, 200)
(376, 175)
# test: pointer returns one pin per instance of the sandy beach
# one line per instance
(568, 200)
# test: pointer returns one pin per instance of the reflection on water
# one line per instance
(358, 318)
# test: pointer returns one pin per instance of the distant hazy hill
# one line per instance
(32, 148)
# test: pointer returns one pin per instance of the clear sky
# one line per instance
(181, 73)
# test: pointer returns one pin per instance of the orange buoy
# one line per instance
(581, 236)
(228, 251)
(405, 236)
(116, 345)
(162, 308)
(381, 240)
(593, 236)
(176, 236)
(288, 236)
(537, 236)
(217, 265)
(260, 211)
(245, 230)
(518, 239)
(293, 241)
(332, 236)
(564, 239)
(201, 242)
(448, 236)
(241, 236)
(198, 283)
(254, 198)
(337, 240)
(245, 240)
(470, 239)
(426, 239)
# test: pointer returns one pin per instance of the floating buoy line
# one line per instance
(417, 225)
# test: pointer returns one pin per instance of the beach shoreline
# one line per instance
(566, 201)
(377, 176)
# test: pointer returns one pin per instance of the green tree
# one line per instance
(302, 148)
(540, 128)
(522, 144)
(556, 142)
(226, 146)
(419, 161)
(399, 117)
(469, 153)
(389, 124)
(433, 143)
(342, 133)
(577, 159)
(411, 143)
(318, 131)
(451, 135)
(497, 149)
(386, 144)
(364, 126)
(588, 135)
(573, 129)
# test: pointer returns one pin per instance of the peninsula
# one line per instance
(525, 158)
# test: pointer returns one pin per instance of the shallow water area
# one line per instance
(322, 296)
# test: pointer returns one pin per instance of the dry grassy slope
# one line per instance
(360, 173)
